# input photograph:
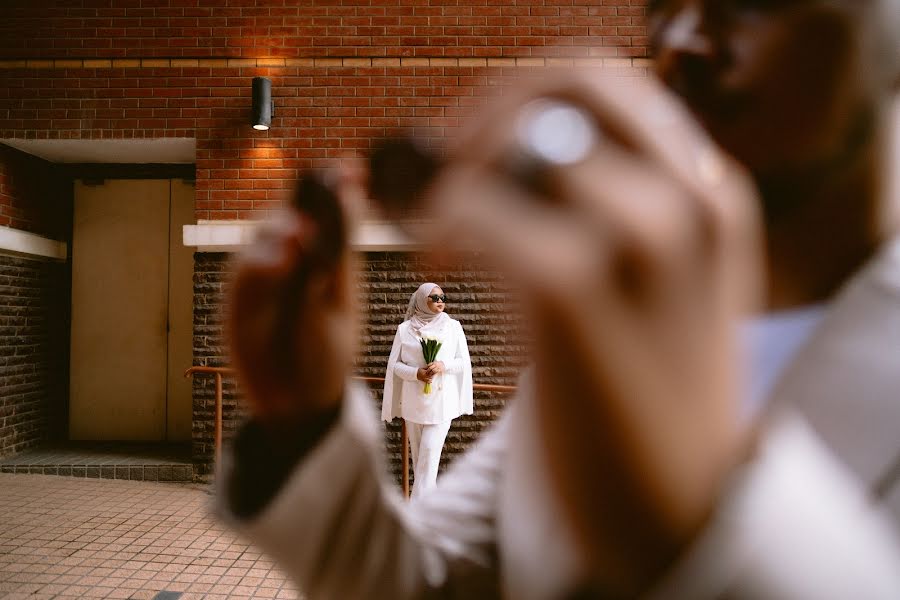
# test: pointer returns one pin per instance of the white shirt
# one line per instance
(772, 341)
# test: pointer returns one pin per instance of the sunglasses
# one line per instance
(438, 298)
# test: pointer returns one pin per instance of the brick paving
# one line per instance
(64, 537)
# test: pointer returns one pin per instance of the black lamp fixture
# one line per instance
(263, 105)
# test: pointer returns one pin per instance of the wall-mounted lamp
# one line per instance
(263, 105)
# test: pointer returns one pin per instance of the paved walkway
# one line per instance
(63, 537)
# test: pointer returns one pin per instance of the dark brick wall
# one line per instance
(211, 271)
(34, 352)
(35, 196)
(479, 299)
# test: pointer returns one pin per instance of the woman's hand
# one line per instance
(435, 368)
(635, 265)
(289, 376)
(423, 375)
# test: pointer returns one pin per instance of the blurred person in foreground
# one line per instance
(630, 464)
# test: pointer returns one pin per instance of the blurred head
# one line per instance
(786, 86)
(435, 300)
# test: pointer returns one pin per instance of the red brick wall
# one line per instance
(34, 197)
(289, 28)
(342, 84)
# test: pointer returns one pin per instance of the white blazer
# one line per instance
(451, 394)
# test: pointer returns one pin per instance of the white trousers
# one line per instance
(425, 445)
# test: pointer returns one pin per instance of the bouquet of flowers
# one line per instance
(430, 348)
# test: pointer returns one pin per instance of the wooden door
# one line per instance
(126, 272)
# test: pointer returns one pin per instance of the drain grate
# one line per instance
(166, 595)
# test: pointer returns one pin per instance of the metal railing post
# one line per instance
(218, 434)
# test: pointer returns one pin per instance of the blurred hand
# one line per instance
(435, 368)
(635, 265)
(291, 375)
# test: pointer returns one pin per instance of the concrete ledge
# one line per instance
(382, 236)
(219, 236)
(231, 236)
(29, 245)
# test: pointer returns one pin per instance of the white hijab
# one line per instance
(421, 319)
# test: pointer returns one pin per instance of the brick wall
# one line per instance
(34, 196)
(325, 109)
(211, 272)
(34, 352)
(479, 299)
(343, 72)
(285, 28)
(34, 306)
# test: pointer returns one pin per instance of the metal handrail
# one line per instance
(220, 372)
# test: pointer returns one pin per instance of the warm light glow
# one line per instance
(261, 127)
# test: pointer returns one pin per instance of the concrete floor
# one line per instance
(64, 537)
